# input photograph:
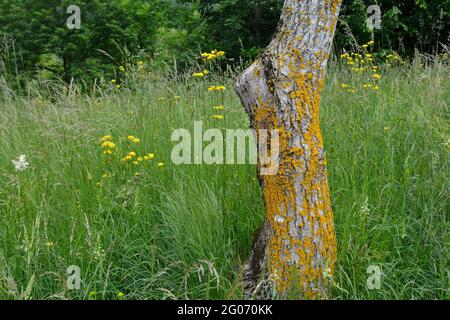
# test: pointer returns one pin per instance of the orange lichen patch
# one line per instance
(298, 248)
(287, 250)
(298, 207)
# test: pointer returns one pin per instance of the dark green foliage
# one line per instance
(241, 27)
(107, 28)
(36, 40)
(406, 25)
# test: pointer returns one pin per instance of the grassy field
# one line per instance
(154, 230)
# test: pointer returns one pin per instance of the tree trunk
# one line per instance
(294, 251)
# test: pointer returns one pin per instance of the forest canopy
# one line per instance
(36, 40)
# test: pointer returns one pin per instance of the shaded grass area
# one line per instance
(155, 232)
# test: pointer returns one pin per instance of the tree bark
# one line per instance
(294, 251)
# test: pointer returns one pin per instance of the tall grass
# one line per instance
(184, 231)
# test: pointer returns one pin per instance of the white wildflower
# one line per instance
(21, 164)
(365, 210)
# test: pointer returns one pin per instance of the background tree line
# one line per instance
(36, 41)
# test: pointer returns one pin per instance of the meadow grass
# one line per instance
(168, 232)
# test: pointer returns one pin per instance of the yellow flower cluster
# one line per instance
(132, 156)
(140, 65)
(107, 145)
(370, 43)
(371, 86)
(218, 116)
(391, 57)
(208, 56)
(348, 88)
(217, 88)
(200, 74)
(376, 76)
(361, 63)
(133, 139)
(114, 82)
(214, 54)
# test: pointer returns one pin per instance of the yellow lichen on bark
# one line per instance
(281, 90)
(281, 198)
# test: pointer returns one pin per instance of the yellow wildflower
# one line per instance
(49, 244)
(376, 76)
(109, 145)
(113, 81)
(376, 88)
(212, 55)
(160, 164)
(121, 69)
(219, 107)
(120, 295)
(132, 154)
(107, 152)
(218, 116)
(136, 140)
(198, 75)
(151, 156)
(107, 138)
